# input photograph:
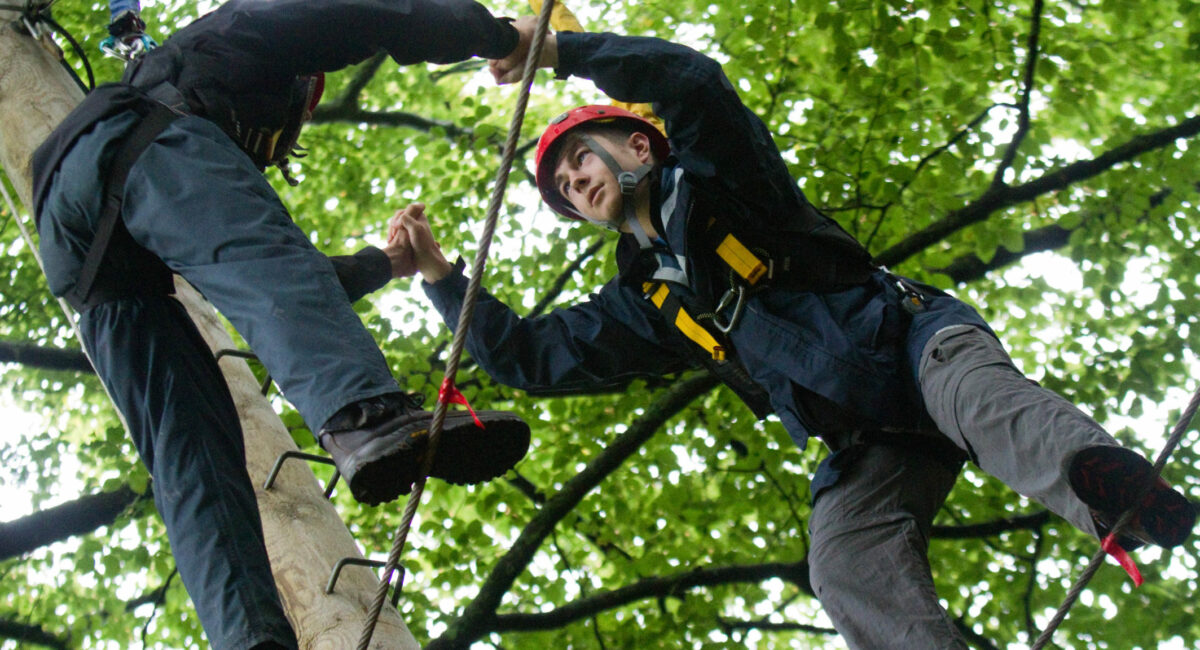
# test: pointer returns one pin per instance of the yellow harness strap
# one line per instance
(741, 260)
(684, 321)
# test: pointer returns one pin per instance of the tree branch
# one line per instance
(970, 267)
(997, 198)
(559, 282)
(362, 77)
(36, 356)
(1039, 545)
(478, 617)
(1033, 521)
(1031, 51)
(77, 517)
(728, 624)
(353, 114)
(32, 634)
(925, 160)
(156, 596)
(979, 641)
(656, 587)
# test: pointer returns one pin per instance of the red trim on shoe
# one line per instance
(1110, 546)
(449, 394)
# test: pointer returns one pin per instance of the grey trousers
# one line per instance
(870, 531)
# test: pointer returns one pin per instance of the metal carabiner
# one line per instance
(738, 292)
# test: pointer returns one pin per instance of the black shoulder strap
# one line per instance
(157, 119)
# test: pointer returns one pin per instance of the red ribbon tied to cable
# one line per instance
(1110, 546)
(449, 394)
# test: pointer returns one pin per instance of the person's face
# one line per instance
(587, 183)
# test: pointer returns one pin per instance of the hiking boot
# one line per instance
(378, 445)
(1108, 480)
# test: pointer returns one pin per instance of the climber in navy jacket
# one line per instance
(724, 264)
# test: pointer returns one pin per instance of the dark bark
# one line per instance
(970, 267)
(767, 626)
(77, 517)
(25, 633)
(656, 587)
(1000, 197)
(992, 528)
(36, 356)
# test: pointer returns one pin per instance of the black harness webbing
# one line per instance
(154, 121)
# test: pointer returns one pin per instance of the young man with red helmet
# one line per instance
(902, 381)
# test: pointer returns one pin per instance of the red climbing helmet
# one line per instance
(545, 158)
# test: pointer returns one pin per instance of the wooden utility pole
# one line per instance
(305, 536)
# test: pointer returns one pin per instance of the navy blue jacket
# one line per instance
(829, 359)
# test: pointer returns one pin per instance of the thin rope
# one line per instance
(464, 320)
(1098, 559)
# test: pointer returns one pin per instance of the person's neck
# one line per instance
(642, 197)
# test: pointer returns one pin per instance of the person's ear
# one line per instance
(639, 143)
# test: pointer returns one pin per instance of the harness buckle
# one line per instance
(628, 183)
(736, 295)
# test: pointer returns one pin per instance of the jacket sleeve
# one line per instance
(364, 272)
(712, 133)
(601, 343)
(259, 39)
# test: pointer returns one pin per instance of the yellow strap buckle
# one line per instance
(741, 260)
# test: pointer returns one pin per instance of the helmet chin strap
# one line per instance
(628, 181)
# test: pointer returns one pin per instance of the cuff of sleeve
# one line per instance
(377, 266)
(453, 285)
(508, 42)
(569, 46)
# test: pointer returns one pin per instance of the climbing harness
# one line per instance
(460, 333)
(746, 270)
(139, 270)
(1109, 545)
(264, 123)
(127, 268)
(674, 312)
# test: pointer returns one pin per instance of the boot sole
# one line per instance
(1108, 479)
(467, 454)
(387, 467)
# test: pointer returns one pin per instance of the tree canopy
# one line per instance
(1036, 158)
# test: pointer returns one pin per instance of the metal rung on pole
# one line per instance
(337, 570)
(249, 356)
(303, 456)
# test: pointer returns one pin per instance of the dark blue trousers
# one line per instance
(196, 201)
(164, 379)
